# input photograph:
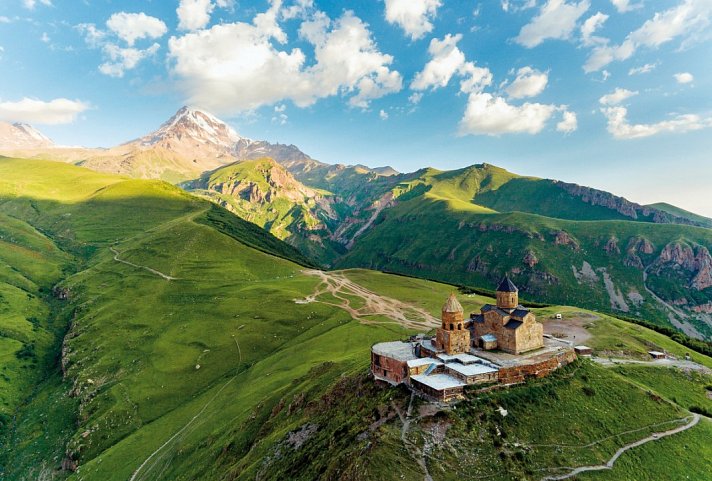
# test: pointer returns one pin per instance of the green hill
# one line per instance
(184, 343)
(671, 209)
(561, 244)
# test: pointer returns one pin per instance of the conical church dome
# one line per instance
(452, 305)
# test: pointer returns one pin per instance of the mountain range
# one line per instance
(561, 242)
(147, 333)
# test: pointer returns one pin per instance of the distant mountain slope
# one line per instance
(265, 193)
(22, 136)
(470, 226)
(676, 211)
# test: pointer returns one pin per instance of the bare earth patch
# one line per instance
(570, 328)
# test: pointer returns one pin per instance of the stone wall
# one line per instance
(518, 374)
(388, 368)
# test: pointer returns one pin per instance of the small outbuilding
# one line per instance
(657, 354)
(583, 350)
(488, 342)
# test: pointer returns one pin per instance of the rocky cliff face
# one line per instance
(697, 261)
(623, 206)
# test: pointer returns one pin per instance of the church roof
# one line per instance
(520, 312)
(513, 324)
(506, 285)
(452, 305)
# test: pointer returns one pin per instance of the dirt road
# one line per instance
(341, 288)
(609, 465)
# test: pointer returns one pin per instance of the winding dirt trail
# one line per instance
(341, 288)
(153, 271)
(609, 465)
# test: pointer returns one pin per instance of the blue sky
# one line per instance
(614, 94)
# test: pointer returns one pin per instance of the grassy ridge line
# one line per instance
(252, 236)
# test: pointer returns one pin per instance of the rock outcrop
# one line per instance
(623, 206)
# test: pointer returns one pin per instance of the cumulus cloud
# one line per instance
(487, 114)
(616, 97)
(568, 124)
(129, 28)
(383, 115)
(556, 20)
(620, 128)
(123, 59)
(686, 20)
(624, 6)
(31, 4)
(528, 83)
(413, 16)
(135, 26)
(589, 27)
(241, 66)
(34, 111)
(194, 14)
(647, 68)
(684, 77)
(447, 60)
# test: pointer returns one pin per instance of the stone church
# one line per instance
(506, 326)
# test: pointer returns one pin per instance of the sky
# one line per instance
(613, 94)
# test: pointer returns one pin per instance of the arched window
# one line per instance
(452, 327)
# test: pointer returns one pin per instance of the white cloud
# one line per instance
(686, 20)
(2, 50)
(33, 111)
(45, 38)
(528, 83)
(616, 97)
(280, 117)
(556, 20)
(415, 98)
(118, 59)
(568, 123)
(194, 14)
(520, 5)
(684, 77)
(490, 115)
(447, 60)
(620, 128)
(135, 26)
(413, 16)
(647, 68)
(123, 59)
(624, 6)
(589, 27)
(4, 19)
(383, 115)
(237, 66)
(30, 4)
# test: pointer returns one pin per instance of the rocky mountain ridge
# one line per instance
(22, 136)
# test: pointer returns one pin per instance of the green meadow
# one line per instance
(169, 345)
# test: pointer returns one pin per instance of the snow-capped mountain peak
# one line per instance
(194, 125)
(22, 136)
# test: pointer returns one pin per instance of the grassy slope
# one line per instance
(438, 231)
(303, 222)
(671, 209)
(268, 366)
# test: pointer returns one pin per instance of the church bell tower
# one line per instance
(507, 294)
(452, 337)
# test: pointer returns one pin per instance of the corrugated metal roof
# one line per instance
(439, 382)
(401, 351)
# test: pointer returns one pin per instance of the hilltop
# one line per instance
(186, 343)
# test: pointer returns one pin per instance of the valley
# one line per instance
(157, 335)
(561, 243)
